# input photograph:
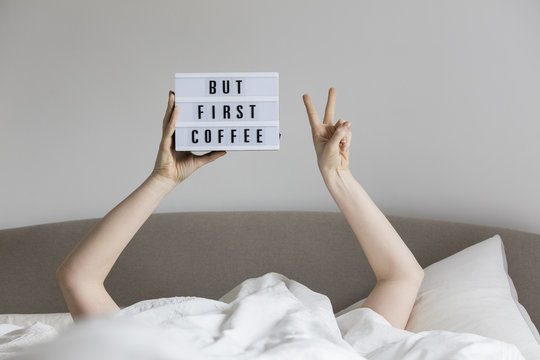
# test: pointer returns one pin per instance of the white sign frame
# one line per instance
(269, 84)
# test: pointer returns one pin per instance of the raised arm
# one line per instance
(82, 274)
(398, 274)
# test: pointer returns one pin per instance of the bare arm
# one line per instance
(398, 274)
(82, 274)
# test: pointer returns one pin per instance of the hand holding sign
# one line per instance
(175, 166)
(331, 141)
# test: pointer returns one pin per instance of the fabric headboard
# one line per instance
(207, 253)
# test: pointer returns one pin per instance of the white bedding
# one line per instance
(269, 317)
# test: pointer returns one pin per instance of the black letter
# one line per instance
(200, 111)
(213, 111)
(233, 135)
(259, 135)
(246, 135)
(193, 140)
(240, 114)
(238, 82)
(226, 112)
(220, 135)
(212, 85)
(207, 136)
(225, 86)
(252, 111)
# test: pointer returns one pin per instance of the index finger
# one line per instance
(312, 113)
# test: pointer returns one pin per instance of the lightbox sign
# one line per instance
(227, 111)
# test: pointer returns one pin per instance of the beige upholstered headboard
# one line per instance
(207, 253)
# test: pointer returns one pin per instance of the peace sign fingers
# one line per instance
(314, 120)
(330, 105)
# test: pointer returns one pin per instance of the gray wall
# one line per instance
(444, 100)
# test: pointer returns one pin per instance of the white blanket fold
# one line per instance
(269, 317)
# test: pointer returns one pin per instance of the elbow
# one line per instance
(416, 274)
(411, 276)
(417, 277)
(68, 278)
(420, 275)
(65, 278)
(60, 275)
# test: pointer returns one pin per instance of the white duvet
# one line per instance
(269, 317)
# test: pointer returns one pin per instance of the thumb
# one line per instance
(209, 157)
(340, 133)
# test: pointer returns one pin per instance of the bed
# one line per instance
(206, 254)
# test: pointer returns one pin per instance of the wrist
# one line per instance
(338, 181)
(337, 175)
(161, 183)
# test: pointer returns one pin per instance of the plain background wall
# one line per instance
(444, 100)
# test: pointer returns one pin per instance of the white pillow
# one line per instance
(472, 292)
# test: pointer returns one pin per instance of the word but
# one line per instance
(225, 86)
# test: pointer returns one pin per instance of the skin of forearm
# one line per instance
(386, 252)
(92, 259)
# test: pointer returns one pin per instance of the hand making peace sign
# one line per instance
(331, 141)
